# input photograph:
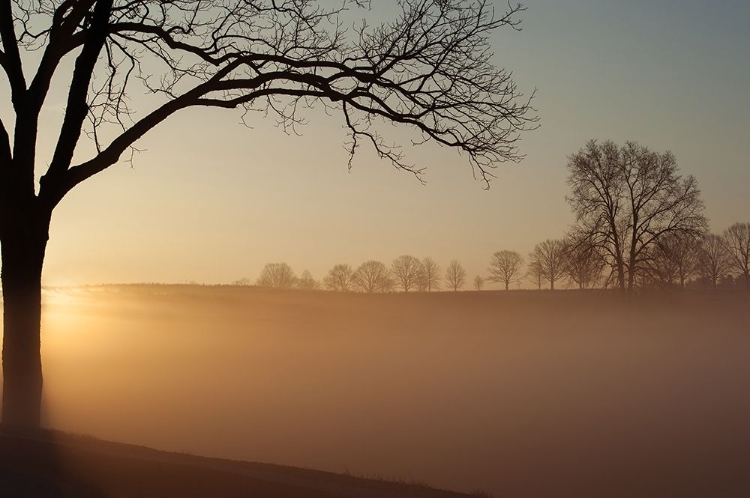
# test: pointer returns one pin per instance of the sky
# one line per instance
(208, 200)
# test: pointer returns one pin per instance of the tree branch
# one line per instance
(11, 60)
(77, 106)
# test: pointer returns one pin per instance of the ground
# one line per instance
(55, 465)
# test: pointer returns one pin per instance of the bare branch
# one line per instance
(429, 69)
(11, 58)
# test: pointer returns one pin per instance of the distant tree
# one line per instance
(407, 272)
(478, 283)
(340, 278)
(714, 260)
(584, 262)
(626, 198)
(548, 258)
(389, 285)
(430, 275)
(455, 275)
(307, 282)
(737, 242)
(535, 273)
(372, 276)
(242, 281)
(674, 258)
(277, 276)
(505, 267)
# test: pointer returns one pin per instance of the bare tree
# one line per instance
(737, 242)
(277, 276)
(242, 282)
(713, 259)
(535, 273)
(478, 283)
(373, 276)
(307, 282)
(429, 69)
(340, 278)
(407, 272)
(455, 275)
(626, 198)
(548, 259)
(430, 274)
(674, 259)
(584, 262)
(505, 267)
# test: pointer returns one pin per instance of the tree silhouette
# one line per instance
(737, 242)
(277, 276)
(548, 258)
(455, 275)
(535, 273)
(372, 276)
(584, 262)
(307, 282)
(478, 283)
(674, 258)
(505, 267)
(407, 272)
(713, 259)
(430, 276)
(340, 278)
(429, 69)
(626, 198)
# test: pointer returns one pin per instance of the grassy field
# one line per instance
(524, 394)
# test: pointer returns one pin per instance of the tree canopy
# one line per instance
(625, 199)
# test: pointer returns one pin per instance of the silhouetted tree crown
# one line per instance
(714, 260)
(505, 267)
(340, 278)
(478, 283)
(584, 261)
(455, 275)
(307, 282)
(673, 259)
(277, 276)
(430, 276)
(407, 272)
(737, 242)
(547, 260)
(627, 197)
(373, 276)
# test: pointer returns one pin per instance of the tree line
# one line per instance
(638, 224)
(406, 273)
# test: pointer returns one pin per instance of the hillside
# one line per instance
(56, 465)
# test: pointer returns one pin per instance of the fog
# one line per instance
(522, 394)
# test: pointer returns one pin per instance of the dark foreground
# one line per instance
(55, 465)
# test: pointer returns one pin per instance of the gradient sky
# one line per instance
(211, 201)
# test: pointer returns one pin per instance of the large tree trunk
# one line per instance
(23, 244)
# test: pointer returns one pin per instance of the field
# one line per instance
(522, 394)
